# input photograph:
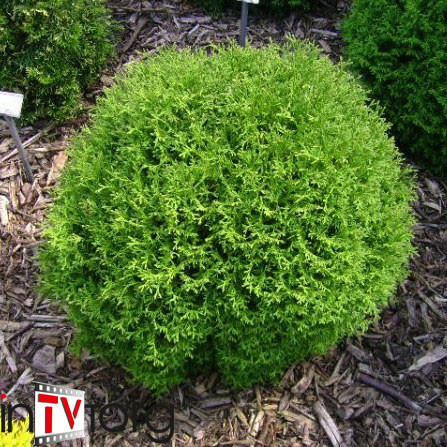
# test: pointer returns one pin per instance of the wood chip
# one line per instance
(45, 360)
(304, 383)
(328, 425)
(11, 326)
(58, 164)
(4, 216)
(433, 356)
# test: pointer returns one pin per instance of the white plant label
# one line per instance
(254, 2)
(11, 104)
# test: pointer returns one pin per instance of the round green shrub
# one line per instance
(51, 50)
(400, 49)
(243, 210)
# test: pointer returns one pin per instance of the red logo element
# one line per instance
(71, 419)
(3, 396)
(52, 399)
(48, 399)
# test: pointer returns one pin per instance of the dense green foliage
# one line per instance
(400, 48)
(19, 437)
(278, 6)
(244, 210)
(51, 50)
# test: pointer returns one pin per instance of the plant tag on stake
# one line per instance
(10, 108)
(244, 19)
(11, 104)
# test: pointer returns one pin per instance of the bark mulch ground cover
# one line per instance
(387, 388)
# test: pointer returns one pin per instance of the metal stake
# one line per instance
(244, 21)
(20, 148)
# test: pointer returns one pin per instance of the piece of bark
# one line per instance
(4, 216)
(265, 429)
(256, 424)
(241, 416)
(25, 378)
(390, 391)
(6, 354)
(328, 425)
(45, 360)
(58, 164)
(304, 383)
(11, 326)
(433, 356)
(215, 402)
(141, 24)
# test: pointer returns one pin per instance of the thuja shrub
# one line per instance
(19, 437)
(400, 50)
(240, 210)
(51, 50)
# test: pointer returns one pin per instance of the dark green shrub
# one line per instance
(279, 6)
(51, 50)
(400, 48)
(244, 209)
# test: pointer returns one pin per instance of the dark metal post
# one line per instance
(244, 21)
(20, 148)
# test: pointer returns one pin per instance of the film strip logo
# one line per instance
(59, 414)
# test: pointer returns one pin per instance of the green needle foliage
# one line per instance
(19, 437)
(400, 49)
(241, 210)
(51, 50)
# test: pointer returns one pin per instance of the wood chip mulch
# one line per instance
(387, 388)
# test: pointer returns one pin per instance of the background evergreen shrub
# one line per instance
(51, 50)
(244, 210)
(400, 48)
